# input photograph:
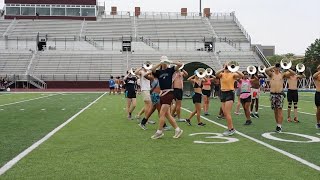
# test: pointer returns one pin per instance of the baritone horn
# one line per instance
(251, 70)
(131, 71)
(209, 71)
(233, 66)
(285, 63)
(201, 73)
(147, 65)
(262, 68)
(300, 68)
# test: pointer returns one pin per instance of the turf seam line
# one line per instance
(24, 153)
(18, 102)
(294, 157)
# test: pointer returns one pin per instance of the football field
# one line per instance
(88, 136)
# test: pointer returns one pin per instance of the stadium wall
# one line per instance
(77, 2)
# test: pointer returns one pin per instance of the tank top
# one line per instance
(227, 81)
(245, 88)
(207, 83)
(144, 83)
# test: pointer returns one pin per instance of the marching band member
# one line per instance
(178, 91)
(227, 79)
(276, 92)
(316, 78)
(130, 93)
(164, 75)
(196, 98)
(292, 95)
(206, 91)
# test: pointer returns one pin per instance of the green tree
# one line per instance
(312, 56)
(275, 59)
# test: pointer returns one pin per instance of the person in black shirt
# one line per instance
(164, 75)
(130, 93)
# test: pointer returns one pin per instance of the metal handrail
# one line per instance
(257, 50)
(235, 19)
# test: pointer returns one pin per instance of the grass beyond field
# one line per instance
(101, 143)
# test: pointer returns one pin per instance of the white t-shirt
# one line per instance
(144, 83)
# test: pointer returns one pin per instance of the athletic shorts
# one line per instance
(196, 98)
(155, 98)
(227, 96)
(167, 98)
(111, 88)
(146, 95)
(178, 94)
(217, 88)
(206, 92)
(243, 101)
(116, 86)
(292, 95)
(255, 93)
(130, 94)
(317, 99)
(276, 100)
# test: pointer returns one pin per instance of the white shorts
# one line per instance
(116, 86)
(146, 96)
(255, 93)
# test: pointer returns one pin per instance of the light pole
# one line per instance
(200, 14)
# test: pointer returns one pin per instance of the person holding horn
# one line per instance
(197, 80)
(292, 95)
(276, 90)
(316, 78)
(164, 73)
(228, 76)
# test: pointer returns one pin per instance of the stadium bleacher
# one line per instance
(92, 50)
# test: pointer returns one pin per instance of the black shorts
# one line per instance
(178, 93)
(243, 101)
(217, 88)
(206, 92)
(196, 98)
(292, 95)
(131, 94)
(227, 96)
(317, 99)
(167, 98)
(111, 88)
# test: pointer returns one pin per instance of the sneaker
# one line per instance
(318, 126)
(256, 115)
(178, 134)
(188, 122)
(229, 132)
(151, 122)
(252, 115)
(157, 136)
(201, 124)
(181, 120)
(129, 117)
(289, 119)
(167, 128)
(206, 114)
(248, 122)
(296, 120)
(278, 129)
(143, 126)
(220, 117)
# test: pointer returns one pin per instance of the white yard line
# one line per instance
(16, 159)
(27, 100)
(313, 166)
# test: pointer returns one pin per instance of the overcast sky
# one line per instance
(290, 25)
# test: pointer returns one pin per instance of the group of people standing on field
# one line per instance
(162, 90)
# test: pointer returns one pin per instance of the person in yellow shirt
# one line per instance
(227, 79)
(316, 78)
